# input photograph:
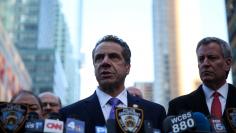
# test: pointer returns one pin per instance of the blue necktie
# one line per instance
(113, 102)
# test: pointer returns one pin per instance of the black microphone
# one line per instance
(167, 124)
(148, 128)
(54, 116)
(53, 124)
(32, 116)
(111, 126)
(33, 123)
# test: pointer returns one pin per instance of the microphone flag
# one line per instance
(53, 126)
(217, 125)
(74, 126)
(129, 119)
(100, 129)
(182, 122)
(35, 126)
(12, 117)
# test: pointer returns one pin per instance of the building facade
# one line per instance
(166, 81)
(13, 74)
(231, 21)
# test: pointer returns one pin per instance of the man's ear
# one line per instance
(127, 68)
(228, 62)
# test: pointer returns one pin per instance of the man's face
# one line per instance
(211, 64)
(30, 101)
(50, 104)
(109, 64)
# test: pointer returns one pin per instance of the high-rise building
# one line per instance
(13, 74)
(40, 34)
(7, 15)
(72, 57)
(231, 21)
(34, 40)
(175, 36)
(165, 51)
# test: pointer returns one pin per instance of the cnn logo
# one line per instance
(53, 126)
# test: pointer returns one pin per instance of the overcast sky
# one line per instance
(131, 20)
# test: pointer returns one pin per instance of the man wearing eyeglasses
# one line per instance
(51, 103)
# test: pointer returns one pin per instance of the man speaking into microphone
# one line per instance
(111, 60)
(215, 95)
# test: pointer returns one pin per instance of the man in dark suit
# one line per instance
(111, 60)
(215, 95)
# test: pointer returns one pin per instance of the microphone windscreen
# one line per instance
(54, 116)
(202, 124)
(167, 124)
(148, 126)
(32, 116)
(111, 126)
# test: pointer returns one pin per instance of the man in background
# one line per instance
(51, 103)
(28, 98)
(135, 91)
(215, 96)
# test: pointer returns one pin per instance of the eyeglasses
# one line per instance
(50, 104)
(32, 107)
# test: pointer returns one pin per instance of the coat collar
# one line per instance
(199, 100)
(94, 110)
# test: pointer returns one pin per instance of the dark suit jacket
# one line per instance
(89, 111)
(196, 102)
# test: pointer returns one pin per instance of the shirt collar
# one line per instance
(104, 97)
(223, 90)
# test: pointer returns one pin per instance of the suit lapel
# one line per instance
(132, 100)
(94, 110)
(199, 101)
(231, 98)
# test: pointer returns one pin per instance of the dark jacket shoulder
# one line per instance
(194, 101)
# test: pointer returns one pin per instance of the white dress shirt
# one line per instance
(104, 98)
(223, 90)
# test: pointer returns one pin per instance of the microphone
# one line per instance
(53, 124)
(179, 123)
(32, 116)
(148, 126)
(54, 116)
(231, 119)
(167, 124)
(74, 126)
(217, 125)
(33, 123)
(100, 129)
(202, 124)
(111, 126)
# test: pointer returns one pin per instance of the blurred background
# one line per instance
(46, 45)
